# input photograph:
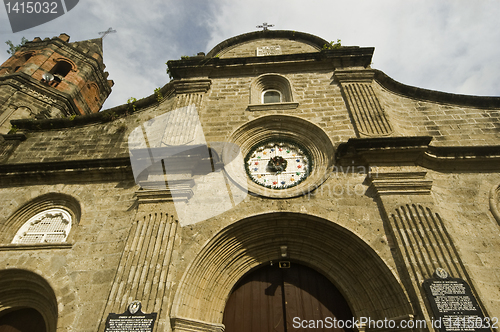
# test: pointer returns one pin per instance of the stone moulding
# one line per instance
(192, 325)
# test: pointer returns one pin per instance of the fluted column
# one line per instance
(361, 100)
(417, 230)
(143, 271)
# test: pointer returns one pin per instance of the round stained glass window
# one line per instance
(278, 164)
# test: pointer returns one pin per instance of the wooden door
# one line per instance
(273, 299)
(22, 320)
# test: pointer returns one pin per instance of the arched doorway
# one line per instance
(281, 299)
(22, 320)
(342, 256)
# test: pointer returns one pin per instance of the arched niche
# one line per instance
(10, 227)
(366, 282)
(270, 82)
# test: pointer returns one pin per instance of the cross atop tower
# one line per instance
(107, 32)
(264, 26)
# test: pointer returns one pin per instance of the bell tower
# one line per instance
(53, 78)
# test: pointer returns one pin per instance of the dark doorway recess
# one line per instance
(22, 320)
(273, 299)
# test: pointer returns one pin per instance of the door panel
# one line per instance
(310, 296)
(256, 304)
(267, 297)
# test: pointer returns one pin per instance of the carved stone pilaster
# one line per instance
(143, 270)
(190, 92)
(419, 234)
(367, 113)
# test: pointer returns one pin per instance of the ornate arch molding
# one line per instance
(353, 266)
(289, 128)
(9, 228)
(24, 289)
(270, 82)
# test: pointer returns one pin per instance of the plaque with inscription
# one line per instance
(269, 50)
(132, 320)
(454, 306)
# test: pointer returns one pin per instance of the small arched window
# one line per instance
(62, 68)
(271, 96)
(49, 226)
(270, 89)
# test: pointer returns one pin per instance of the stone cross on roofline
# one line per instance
(264, 26)
(107, 32)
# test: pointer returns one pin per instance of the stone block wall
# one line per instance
(450, 125)
(81, 271)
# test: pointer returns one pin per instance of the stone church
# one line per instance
(276, 183)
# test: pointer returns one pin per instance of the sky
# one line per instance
(450, 46)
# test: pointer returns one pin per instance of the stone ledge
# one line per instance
(14, 137)
(159, 196)
(273, 106)
(39, 246)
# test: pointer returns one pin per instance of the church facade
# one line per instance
(277, 182)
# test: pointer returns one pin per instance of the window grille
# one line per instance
(50, 226)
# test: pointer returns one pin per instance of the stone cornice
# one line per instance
(191, 86)
(173, 87)
(73, 171)
(417, 151)
(28, 85)
(435, 96)
(400, 183)
(336, 58)
(390, 150)
(354, 75)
